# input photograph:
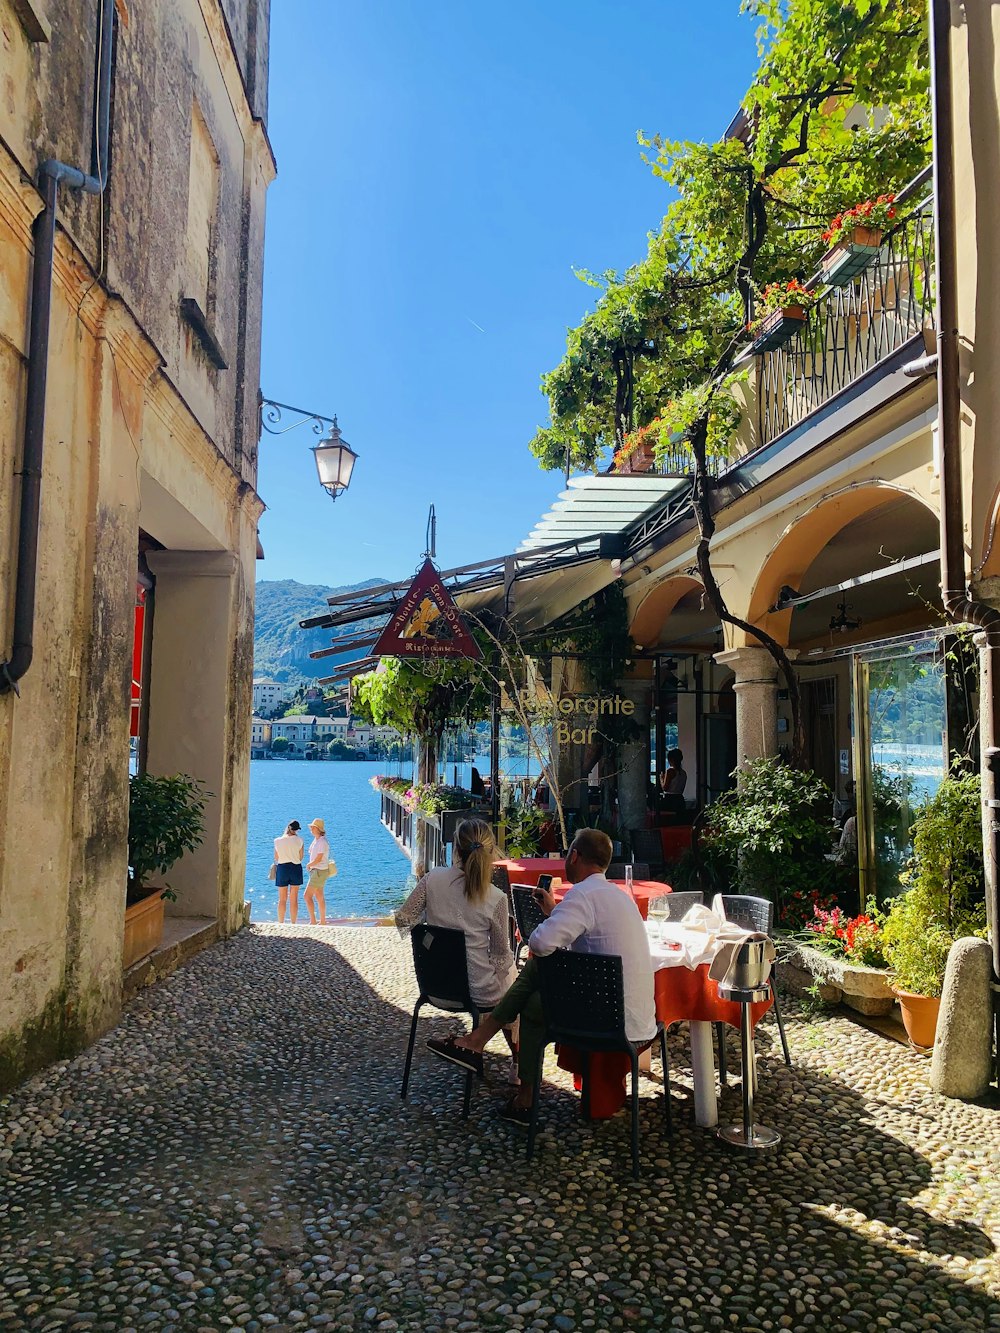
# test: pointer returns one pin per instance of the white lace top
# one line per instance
(439, 899)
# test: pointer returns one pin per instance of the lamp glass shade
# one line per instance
(335, 461)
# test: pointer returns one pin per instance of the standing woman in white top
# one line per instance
(288, 850)
(463, 897)
(318, 866)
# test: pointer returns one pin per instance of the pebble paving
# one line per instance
(236, 1155)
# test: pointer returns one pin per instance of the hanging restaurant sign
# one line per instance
(427, 623)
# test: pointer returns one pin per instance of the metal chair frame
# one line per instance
(527, 915)
(597, 979)
(439, 961)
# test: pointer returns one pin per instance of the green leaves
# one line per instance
(838, 112)
(165, 820)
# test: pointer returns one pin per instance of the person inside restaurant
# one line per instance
(594, 917)
(672, 784)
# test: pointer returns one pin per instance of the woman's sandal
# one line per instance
(514, 1114)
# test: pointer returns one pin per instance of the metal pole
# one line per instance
(747, 1053)
(495, 741)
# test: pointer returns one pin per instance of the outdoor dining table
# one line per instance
(683, 992)
(527, 870)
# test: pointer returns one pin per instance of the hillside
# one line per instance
(281, 649)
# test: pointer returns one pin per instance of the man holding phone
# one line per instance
(593, 917)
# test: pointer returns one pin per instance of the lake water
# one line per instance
(371, 870)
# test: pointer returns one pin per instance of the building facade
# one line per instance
(147, 507)
(268, 694)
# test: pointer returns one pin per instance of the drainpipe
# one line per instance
(959, 607)
(50, 175)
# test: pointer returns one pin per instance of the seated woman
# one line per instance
(463, 897)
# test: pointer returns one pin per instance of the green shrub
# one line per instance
(945, 876)
(772, 834)
(166, 818)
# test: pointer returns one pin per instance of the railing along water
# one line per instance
(852, 328)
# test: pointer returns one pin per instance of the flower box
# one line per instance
(866, 990)
(778, 328)
(850, 256)
(143, 928)
(642, 459)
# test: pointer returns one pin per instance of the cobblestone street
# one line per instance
(236, 1154)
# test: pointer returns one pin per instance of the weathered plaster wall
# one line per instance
(140, 433)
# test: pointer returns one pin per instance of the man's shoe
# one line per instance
(467, 1060)
(514, 1114)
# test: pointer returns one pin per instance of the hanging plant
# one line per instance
(864, 224)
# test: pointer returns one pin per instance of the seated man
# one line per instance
(593, 917)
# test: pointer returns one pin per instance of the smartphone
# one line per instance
(545, 882)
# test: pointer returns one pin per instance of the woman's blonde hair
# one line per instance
(475, 848)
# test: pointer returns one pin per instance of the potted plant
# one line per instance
(166, 818)
(942, 903)
(637, 452)
(853, 237)
(780, 313)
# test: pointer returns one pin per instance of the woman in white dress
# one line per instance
(463, 897)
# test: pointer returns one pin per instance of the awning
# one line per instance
(608, 503)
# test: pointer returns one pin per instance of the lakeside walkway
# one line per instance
(236, 1154)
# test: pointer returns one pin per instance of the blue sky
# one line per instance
(442, 168)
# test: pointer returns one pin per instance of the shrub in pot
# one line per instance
(943, 903)
(166, 818)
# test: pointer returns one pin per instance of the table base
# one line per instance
(760, 1136)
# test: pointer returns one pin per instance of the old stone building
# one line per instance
(127, 476)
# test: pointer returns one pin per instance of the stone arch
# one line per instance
(655, 608)
(804, 539)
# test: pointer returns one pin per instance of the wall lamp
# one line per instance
(334, 457)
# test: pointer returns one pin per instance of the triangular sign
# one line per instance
(427, 623)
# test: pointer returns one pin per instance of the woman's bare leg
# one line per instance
(293, 902)
(320, 894)
(282, 902)
(310, 899)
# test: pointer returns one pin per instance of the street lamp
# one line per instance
(334, 457)
(335, 461)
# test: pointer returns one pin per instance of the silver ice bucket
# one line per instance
(751, 967)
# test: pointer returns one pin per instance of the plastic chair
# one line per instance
(647, 843)
(583, 1003)
(673, 906)
(527, 915)
(757, 914)
(501, 881)
(443, 977)
(640, 870)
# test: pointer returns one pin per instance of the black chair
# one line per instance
(501, 881)
(640, 870)
(527, 915)
(757, 914)
(443, 977)
(583, 1003)
(673, 906)
(647, 843)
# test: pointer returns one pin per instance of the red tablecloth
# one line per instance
(642, 891)
(680, 994)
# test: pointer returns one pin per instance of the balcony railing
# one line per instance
(852, 328)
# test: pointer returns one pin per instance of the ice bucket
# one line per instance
(751, 968)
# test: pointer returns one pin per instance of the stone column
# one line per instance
(633, 758)
(189, 709)
(756, 689)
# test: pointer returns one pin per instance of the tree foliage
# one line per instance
(166, 818)
(421, 700)
(838, 112)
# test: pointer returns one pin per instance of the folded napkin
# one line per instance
(702, 919)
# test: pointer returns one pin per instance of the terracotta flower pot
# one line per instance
(143, 928)
(640, 460)
(778, 328)
(920, 1015)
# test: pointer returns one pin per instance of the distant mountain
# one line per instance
(280, 649)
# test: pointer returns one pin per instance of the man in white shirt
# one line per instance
(593, 917)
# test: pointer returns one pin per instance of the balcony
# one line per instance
(853, 328)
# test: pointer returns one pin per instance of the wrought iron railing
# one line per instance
(851, 328)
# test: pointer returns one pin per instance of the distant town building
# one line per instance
(305, 729)
(268, 694)
(260, 735)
